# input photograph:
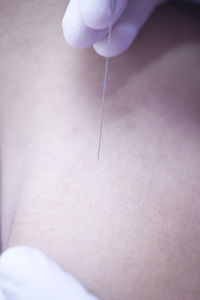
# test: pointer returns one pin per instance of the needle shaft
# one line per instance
(104, 88)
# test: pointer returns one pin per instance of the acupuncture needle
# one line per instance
(112, 7)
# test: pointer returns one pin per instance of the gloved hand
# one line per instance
(86, 23)
(26, 273)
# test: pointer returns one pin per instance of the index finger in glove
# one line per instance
(76, 32)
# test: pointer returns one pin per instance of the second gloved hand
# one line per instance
(86, 23)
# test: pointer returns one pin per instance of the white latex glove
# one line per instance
(86, 23)
(28, 274)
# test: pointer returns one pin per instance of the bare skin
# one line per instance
(128, 225)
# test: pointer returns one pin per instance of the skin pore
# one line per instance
(127, 226)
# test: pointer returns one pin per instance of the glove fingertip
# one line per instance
(98, 14)
(121, 40)
(71, 25)
(94, 15)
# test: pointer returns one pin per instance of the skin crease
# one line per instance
(128, 225)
